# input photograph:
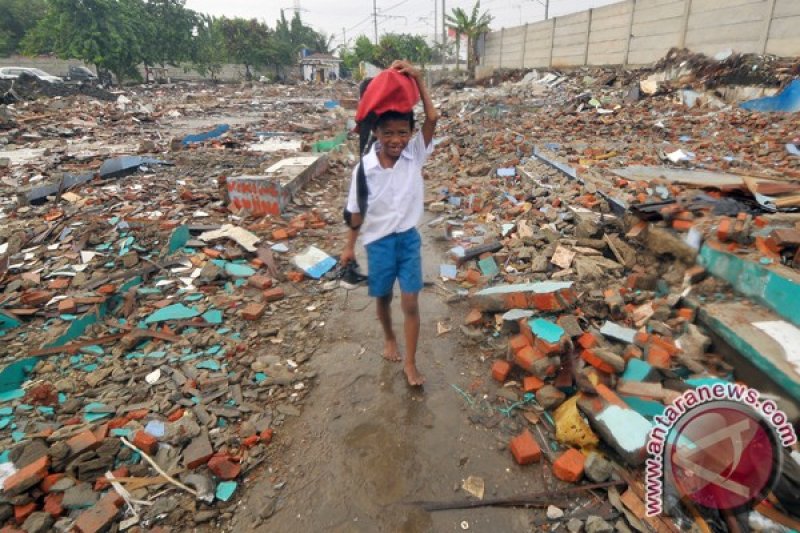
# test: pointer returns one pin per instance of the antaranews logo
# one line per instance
(718, 445)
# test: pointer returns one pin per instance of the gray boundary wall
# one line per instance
(59, 67)
(639, 32)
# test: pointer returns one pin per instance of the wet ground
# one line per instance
(367, 446)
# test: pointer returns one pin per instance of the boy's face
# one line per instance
(393, 136)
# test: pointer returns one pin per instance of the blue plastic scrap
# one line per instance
(787, 101)
(208, 135)
(172, 312)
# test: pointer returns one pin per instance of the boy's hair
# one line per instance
(394, 115)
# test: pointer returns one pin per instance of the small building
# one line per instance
(320, 68)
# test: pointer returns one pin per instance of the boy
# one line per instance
(394, 178)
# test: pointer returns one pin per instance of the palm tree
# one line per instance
(472, 26)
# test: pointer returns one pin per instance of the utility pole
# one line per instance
(546, 9)
(344, 39)
(375, 19)
(435, 21)
(444, 15)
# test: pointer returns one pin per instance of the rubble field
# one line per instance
(179, 351)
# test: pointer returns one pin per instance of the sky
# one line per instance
(351, 18)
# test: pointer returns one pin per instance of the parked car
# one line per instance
(77, 73)
(12, 73)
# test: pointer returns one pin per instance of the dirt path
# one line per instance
(366, 444)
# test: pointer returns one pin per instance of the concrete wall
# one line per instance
(639, 32)
(58, 67)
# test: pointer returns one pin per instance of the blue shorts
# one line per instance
(395, 257)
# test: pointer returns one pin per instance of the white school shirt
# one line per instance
(396, 195)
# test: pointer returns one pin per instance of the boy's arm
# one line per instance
(349, 253)
(431, 114)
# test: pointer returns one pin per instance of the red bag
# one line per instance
(388, 91)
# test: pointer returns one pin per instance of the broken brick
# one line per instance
(273, 295)
(525, 449)
(518, 342)
(22, 512)
(280, 235)
(224, 468)
(253, 311)
(145, 442)
(500, 370)
(474, 318)
(52, 504)
(526, 357)
(531, 384)
(587, 341)
(569, 466)
(81, 442)
(26, 477)
(657, 356)
(67, 306)
(260, 282)
(99, 517)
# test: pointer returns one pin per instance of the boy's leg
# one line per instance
(409, 273)
(410, 304)
(384, 307)
(382, 274)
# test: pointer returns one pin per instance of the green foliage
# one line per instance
(472, 26)
(394, 46)
(120, 35)
(209, 51)
(18, 17)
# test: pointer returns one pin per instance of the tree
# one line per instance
(105, 33)
(18, 17)
(249, 43)
(365, 50)
(209, 53)
(472, 26)
(394, 46)
(167, 31)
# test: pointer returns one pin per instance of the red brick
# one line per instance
(515, 300)
(667, 344)
(682, 225)
(657, 356)
(473, 276)
(569, 466)
(525, 330)
(253, 311)
(547, 348)
(587, 340)
(22, 512)
(52, 504)
(250, 441)
(686, 313)
(518, 342)
(525, 449)
(531, 384)
(68, 306)
(641, 339)
(137, 414)
(610, 396)
(274, 294)
(724, 229)
(58, 284)
(145, 442)
(26, 477)
(266, 435)
(176, 415)
(107, 289)
(224, 468)
(49, 481)
(526, 357)
(547, 302)
(500, 370)
(474, 318)
(260, 282)
(98, 518)
(81, 442)
(632, 352)
(590, 357)
(280, 235)
(102, 483)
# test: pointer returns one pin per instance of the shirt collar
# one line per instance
(371, 159)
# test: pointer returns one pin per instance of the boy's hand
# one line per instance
(404, 67)
(348, 255)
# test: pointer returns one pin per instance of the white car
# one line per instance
(12, 73)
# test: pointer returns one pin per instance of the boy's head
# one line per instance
(393, 130)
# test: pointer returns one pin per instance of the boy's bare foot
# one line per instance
(415, 379)
(390, 351)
